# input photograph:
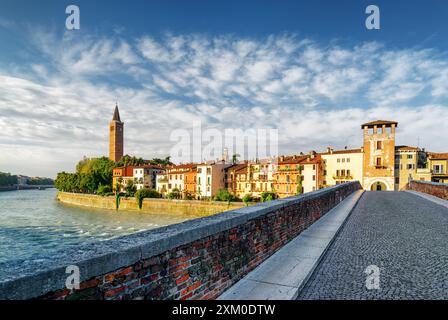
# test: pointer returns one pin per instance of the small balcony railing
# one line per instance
(343, 177)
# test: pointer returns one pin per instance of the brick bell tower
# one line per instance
(116, 136)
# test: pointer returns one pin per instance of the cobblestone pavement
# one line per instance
(405, 235)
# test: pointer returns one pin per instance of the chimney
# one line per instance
(330, 150)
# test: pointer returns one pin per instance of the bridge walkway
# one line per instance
(404, 235)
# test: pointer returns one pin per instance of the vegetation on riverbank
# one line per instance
(94, 176)
(6, 179)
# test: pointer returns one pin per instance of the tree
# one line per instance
(299, 186)
(89, 176)
(246, 199)
(127, 160)
(130, 188)
(161, 162)
(174, 194)
(224, 195)
(104, 190)
(145, 193)
(235, 158)
(267, 196)
(6, 179)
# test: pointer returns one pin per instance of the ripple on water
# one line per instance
(34, 225)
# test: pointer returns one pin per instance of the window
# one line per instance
(348, 159)
(339, 160)
(337, 173)
(378, 161)
(379, 145)
(397, 180)
(314, 167)
(208, 180)
(438, 168)
(410, 156)
(410, 166)
(343, 159)
(348, 172)
(370, 131)
(287, 178)
(314, 178)
(199, 180)
(379, 131)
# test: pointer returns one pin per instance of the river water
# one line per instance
(34, 224)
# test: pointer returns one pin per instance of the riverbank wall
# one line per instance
(148, 205)
(8, 188)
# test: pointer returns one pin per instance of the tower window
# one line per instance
(379, 145)
(378, 161)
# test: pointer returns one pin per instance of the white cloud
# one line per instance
(54, 111)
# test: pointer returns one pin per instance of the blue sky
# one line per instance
(310, 69)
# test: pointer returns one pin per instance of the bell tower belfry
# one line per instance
(116, 137)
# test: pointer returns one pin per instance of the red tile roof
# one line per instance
(439, 156)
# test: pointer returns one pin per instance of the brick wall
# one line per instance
(198, 259)
(439, 190)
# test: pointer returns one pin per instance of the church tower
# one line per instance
(116, 137)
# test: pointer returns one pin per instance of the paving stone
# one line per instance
(405, 235)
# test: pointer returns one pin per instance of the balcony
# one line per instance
(343, 177)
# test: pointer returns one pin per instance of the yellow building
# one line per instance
(379, 155)
(438, 164)
(410, 163)
(342, 166)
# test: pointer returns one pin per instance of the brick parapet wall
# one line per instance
(439, 190)
(197, 259)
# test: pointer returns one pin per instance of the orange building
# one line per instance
(120, 177)
(288, 176)
(379, 155)
(298, 174)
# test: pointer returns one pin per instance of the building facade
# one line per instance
(438, 164)
(379, 155)
(210, 178)
(145, 176)
(342, 166)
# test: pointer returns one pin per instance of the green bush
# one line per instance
(224, 195)
(267, 196)
(246, 199)
(146, 193)
(130, 188)
(104, 190)
(175, 194)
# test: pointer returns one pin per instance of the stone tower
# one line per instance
(379, 155)
(116, 144)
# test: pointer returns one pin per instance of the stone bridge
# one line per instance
(334, 243)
